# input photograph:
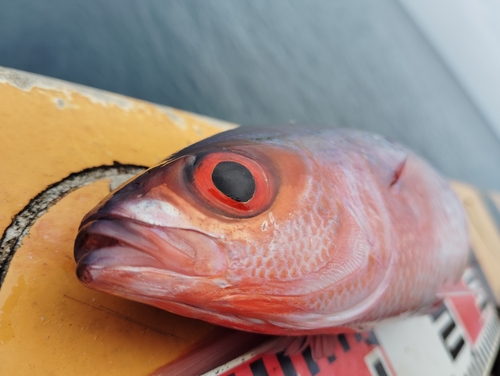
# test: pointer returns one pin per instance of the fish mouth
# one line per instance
(120, 243)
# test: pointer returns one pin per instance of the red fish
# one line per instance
(284, 232)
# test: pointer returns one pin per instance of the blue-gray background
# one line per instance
(353, 63)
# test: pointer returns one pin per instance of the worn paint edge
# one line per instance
(21, 223)
(27, 81)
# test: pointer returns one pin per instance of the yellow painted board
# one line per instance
(484, 235)
(58, 146)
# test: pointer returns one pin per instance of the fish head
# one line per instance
(165, 237)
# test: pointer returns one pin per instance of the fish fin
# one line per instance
(455, 290)
(296, 345)
(322, 345)
(215, 349)
(289, 345)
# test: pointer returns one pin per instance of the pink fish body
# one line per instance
(289, 232)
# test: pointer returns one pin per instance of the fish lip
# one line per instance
(88, 240)
(166, 248)
(89, 266)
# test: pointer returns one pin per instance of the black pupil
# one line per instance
(234, 180)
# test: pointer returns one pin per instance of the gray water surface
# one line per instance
(351, 63)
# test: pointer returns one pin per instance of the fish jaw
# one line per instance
(144, 260)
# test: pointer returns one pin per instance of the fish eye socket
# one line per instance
(230, 183)
(234, 180)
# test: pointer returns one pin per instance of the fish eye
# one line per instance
(230, 183)
(234, 180)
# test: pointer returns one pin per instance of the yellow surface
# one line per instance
(485, 238)
(496, 199)
(49, 323)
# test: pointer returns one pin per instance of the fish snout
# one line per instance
(121, 243)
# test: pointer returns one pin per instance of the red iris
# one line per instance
(233, 184)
